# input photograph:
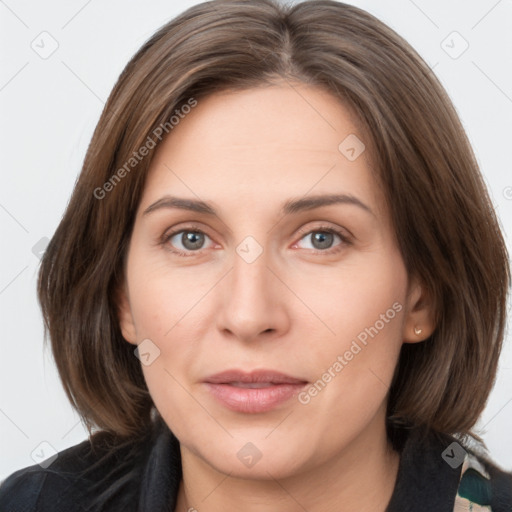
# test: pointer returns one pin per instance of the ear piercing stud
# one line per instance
(417, 331)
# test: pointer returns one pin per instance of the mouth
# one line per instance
(254, 392)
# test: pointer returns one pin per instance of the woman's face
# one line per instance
(276, 279)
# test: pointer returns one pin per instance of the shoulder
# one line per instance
(27, 487)
(100, 466)
(20, 490)
(483, 486)
(443, 472)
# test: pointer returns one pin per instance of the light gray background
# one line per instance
(49, 107)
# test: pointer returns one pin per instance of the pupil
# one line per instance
(322, 237)
(192, 240)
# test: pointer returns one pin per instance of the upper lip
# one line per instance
(270, 376)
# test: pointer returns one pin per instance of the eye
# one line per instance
(187, 241)
(191, 240)
(323, 237)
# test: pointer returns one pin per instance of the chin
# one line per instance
(262, 459)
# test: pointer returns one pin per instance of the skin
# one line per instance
(294, 309)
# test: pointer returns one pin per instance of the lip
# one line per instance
(232, 388)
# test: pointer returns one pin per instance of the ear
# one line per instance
(420, 314)
(125, 316)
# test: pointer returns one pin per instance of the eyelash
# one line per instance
(322, 229)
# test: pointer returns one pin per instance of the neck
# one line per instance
(362, 477)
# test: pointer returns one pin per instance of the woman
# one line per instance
(279, 283)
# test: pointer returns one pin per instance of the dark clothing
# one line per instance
(144, 476)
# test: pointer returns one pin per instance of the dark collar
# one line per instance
(425, 482)
(162, 474)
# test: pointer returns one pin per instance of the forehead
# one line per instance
(274, 142)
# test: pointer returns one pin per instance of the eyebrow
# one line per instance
(289, 207)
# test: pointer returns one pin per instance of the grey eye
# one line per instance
(322, 239)
(190, 240)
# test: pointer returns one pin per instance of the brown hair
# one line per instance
(444, 221)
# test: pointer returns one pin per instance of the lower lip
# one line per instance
(253, 400)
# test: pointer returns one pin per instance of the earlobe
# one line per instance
(125, 317)
(419, 323)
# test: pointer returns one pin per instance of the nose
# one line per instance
(253, 301)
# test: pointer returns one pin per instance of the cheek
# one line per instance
(159, 306)
(162, 296)
(169, 320)
(365, 293)
(356, 349)
(353, 373)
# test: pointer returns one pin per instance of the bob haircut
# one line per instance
(445, 224)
